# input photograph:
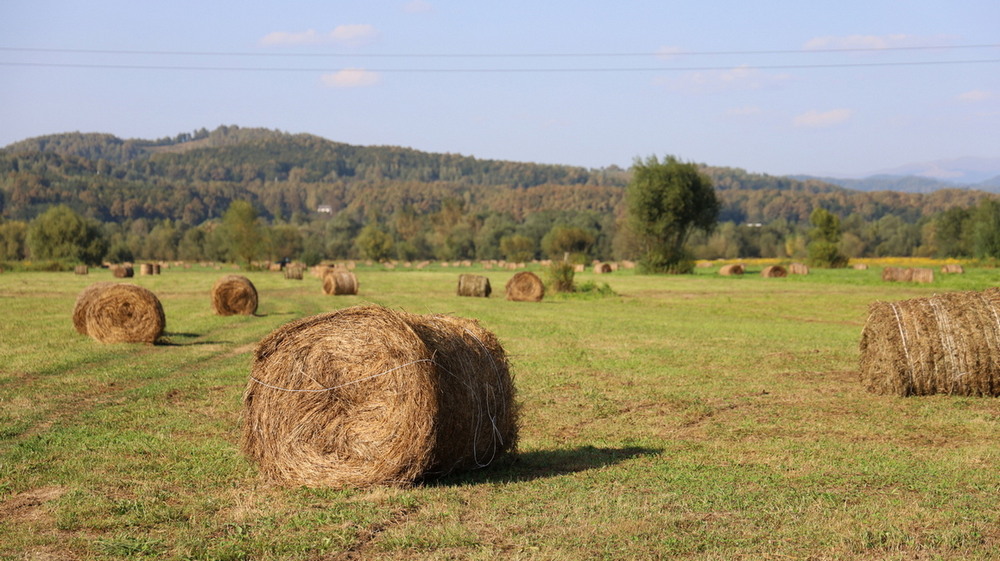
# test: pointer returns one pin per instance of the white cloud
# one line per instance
(352, 34)
(874, 41)
(350, 78)
(815, 119)
(975, 95)
(417, 7)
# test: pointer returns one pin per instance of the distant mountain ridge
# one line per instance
(964, 173)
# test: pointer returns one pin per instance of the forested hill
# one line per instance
(194, 176)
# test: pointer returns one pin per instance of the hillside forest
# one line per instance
(314, 199)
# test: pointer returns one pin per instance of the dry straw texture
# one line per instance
(340, 281)
(124, 313)
(83, 303)
(731, 269)
(234, 295)
(366, 396)
(947, 344)
(474, 285)
(525, 287)
(774, 272)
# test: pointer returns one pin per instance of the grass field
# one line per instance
(693, 417)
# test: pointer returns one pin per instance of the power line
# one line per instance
(499, 55)
(502, 70)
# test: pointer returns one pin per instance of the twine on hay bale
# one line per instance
(83, 303)
(234, 295)
(947, 344)
(474, 285)
(731, 269)
(366, 396)
(525, 287)
(774, 272)
(340, 281)
(125, 313)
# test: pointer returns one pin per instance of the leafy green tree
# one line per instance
(13, 236)
(374, 243)
(667, 201)
(568, 240)
(285, 241)
(60, 233)
(517, 248)
(953, 233)
(243, 232)
(986, 229)
(824, 245)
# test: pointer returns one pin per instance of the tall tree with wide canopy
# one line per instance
(243, 232)
(667, 201)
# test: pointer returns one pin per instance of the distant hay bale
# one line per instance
(953, 269)
(922, 275)
(895, 274)
(601, 268)
(365, 396)
(156, 268)
(525, 287)
(798, 269)
(81, 270)
(145, 269)
(774, 272)
(122, 271)
(293, 272)
(125, 313)
(947, 344)
(731, 269)
(860, 266)
(578, 268)
(234, 295)
(474, 285)
(340, 281)
(83, 303)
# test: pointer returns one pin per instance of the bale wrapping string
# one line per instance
(947, 344)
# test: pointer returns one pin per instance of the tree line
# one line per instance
(168, 199)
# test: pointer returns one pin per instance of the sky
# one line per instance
(777, 87)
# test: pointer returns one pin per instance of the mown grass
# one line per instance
(694, 417)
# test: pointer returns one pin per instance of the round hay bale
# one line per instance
(122, 271)
(798, 269)
(146, 269)
(895, 274)
(525, 287)
(340, 281)
(366, 396)
(774, 272)
(922, 275)
(731, 269)
(601, 268)
(234, 295)
(125, 313)
(293, 272)
(81, 270)
(860, 266)
(474, 285)
(156, 268)
(953, 269)
(947, 344)
(83, 302)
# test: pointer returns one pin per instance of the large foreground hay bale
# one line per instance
(340, 281)
(774, 272)
(83, 302)
(474, 285)
(125, 313)
(731, 269)
(947, 344)
(366, 395)
(525, 287)
(234, 295)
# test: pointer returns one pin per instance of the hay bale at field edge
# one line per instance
(798, 269)
(122, 271)
(474, 285)
(731, 269)
(525, 286)
(234, 295)
(125, 313)
(366, 396)
(774, 272)
(946, 344)
(953, 269)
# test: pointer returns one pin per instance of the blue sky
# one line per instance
(773, 87)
